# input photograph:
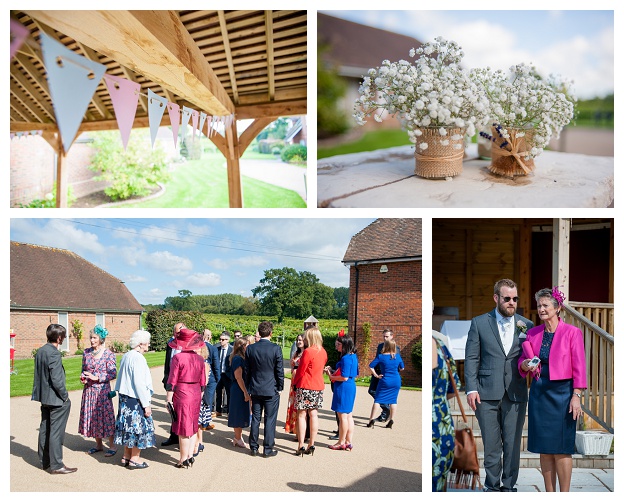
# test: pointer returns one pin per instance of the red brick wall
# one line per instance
(391, 300)
(30, 329)
(33, 168)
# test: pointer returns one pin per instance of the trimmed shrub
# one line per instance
(292, 151)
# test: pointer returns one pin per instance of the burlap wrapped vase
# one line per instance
(509, 155)
(441, 158)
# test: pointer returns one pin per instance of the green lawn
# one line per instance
(21, 384)
(373, 140)
(203, 183)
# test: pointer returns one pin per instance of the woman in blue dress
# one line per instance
(239, 411)
(344, 393)
(390, 362)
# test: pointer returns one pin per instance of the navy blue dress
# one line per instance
(238, 415)
(388, 386)
(551, 427)
(344, 392)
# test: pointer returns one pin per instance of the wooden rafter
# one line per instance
(270, 63)
(228, 54)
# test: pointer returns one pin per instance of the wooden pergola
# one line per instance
(252, 64)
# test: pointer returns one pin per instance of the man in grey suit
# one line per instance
(264, 380)
(494, 387)
(49, 389)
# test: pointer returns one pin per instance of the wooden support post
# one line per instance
(235, 185)
(524, 258)
(561, 255)
(61, 175)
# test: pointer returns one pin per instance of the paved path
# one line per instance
(583, 480)
(276, 173)
(382, 459)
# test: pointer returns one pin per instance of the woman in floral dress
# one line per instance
(443, 438)
(97, 417)
(291, 412)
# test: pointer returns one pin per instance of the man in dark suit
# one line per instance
(213, 377)
(265, 380)
(372, 389)
(49, 389)
(169, 353)
(494, 387)
(225, 372)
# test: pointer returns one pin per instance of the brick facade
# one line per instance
(30, 328)
(33, 169)
(390, 300)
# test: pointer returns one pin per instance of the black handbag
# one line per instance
(172, 412)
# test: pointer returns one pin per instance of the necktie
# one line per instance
(507, 336)
(222, 360)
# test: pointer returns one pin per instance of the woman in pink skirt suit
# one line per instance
(187, 377)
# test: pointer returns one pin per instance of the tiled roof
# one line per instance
(386, 239)
(44, 277)
(357, 45)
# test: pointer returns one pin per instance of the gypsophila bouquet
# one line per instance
(523, 101)
(434, 91)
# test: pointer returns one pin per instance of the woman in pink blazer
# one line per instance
(555, 397)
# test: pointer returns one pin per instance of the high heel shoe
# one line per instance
(348, 447)
(310, 450)
(186, 463)
(180, 466)
(190, 461)
(389, 424)
(300, 451)
(337, 446)
(371, 424)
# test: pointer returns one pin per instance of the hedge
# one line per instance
(160, 324)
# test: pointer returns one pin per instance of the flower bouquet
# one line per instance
(526, 111)
(437, 102)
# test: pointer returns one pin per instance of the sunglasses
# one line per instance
(508, 298)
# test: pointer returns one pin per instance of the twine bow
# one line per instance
(513, 152)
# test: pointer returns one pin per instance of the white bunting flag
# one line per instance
(156, 106)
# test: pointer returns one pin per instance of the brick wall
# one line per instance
(390, 300)
(30, 329)
(33, 169)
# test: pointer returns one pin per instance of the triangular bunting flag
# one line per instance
(186, 115)
(19, 33)
(174, 116)
(195, 119)
(202, 121)
(124, 95)
(72, 80)
(156, 106)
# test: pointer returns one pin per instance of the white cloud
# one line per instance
(135, 278)
(57, 233)
(202, 280)
(219, 264)
(166, 262)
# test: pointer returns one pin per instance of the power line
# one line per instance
(283, 252)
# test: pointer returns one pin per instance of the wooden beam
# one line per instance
(561, 255)
(281, 95)
(228, 54)
(270, 63)
(61, 175)
(52, 137)
(235, 185)
(35, 94)
(152, 43)
(220, 143)
(28, 102)
(281, 109)
(251, 132)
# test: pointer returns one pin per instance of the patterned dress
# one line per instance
(443, 437)
(97, 417)
(291, 412)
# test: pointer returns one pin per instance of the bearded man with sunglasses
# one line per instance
(495, 390)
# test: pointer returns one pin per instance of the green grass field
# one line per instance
(21, 384)
(203, 183)
(374, 140)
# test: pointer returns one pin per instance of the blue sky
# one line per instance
(576, 44)
(158, 257)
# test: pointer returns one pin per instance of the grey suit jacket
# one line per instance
(487, 369)
(49, 380)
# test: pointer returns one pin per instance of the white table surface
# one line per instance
(385, 178)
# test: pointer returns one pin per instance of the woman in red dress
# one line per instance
(187, 378)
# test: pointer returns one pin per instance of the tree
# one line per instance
(331, 88)
(341, 295)
(287, 293)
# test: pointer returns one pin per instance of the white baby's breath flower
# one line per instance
(423, 146)
(442, 131)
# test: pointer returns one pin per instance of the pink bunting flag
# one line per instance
(19, 33)
(174, 116)
(124, 95)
